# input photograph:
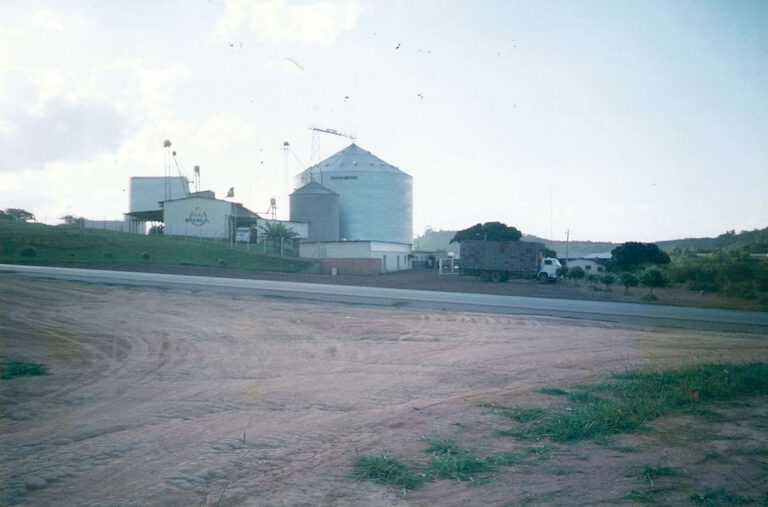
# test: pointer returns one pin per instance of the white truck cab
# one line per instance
(550, 270)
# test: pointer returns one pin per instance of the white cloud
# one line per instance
(278, 21)
(130, 84)
(219, 132)
(48, 19)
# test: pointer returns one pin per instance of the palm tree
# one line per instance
(278, 231)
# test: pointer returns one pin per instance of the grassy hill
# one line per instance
(26, 243)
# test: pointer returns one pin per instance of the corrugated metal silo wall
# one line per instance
(321, 211)
(373, 205)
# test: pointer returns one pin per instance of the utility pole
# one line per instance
(567, 239)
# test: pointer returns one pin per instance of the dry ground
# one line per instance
(178, 397)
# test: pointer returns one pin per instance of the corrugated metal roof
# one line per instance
(353, 158)
(314, 188)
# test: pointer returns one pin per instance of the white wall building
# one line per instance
(392, 256)
(589, 266)
(203, 217)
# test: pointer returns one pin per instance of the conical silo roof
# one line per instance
(353, 158)
(313, 188)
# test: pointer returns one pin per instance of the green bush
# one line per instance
(628, 280)
(652, 278)
(576, 273)
(608, 279)
(28, 252)
(740, 289)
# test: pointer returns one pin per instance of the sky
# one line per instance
(614, 120)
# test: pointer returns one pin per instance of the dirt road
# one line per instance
(168, 396)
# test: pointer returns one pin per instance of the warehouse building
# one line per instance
(357, 257)
(202, 215)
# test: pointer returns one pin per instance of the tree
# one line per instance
(632, 254)
(73, 220)
(628, 280)
(576, 274)
(489, 231)
(18, 214)
(608, 279)
(652, 278)
(277, 231)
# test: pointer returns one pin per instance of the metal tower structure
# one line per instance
(315, 157)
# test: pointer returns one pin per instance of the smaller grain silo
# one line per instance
(319, 207)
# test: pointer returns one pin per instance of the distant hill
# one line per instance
(751, 241)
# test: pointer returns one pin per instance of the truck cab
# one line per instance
(550, 270)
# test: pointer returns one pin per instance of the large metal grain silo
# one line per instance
(319, 207)
(375, 198)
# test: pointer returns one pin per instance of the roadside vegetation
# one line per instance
(631, 400)
(618, 416)
(31, 243)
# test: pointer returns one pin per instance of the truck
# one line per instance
(243, 235)
(497, 261)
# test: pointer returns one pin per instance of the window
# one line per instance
(588, 267)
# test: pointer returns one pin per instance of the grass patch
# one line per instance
(632, 399)
(553, 391)
(387, 469)
(13, 369)
(446, 461)
(650, 474)
(720, 497)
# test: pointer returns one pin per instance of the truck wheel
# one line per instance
(496, 277)
(484, 276)
(543, 278)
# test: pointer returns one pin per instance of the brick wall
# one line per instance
(351, 266)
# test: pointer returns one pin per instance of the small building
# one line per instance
(588, 265)
(203, 216)
(358, 257)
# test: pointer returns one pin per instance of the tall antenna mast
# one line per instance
(316, 140)
(167, 170)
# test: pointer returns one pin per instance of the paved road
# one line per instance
(631, 313)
